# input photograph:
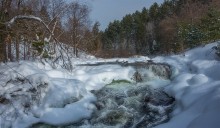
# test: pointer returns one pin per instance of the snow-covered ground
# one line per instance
(32, 92)
(196, 88)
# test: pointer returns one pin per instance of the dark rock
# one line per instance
(137, 77)
(4, 100)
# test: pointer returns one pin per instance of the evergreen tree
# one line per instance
(190, 35)
(113, 34)
(210, 25)
(127, 25)
(154, 12)
(96, 44)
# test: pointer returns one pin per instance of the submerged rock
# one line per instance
(137, 77)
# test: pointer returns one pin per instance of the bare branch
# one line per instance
(31, 17)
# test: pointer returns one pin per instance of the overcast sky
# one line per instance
(106, 11)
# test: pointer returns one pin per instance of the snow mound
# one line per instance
(196, 89)
(71, 113)
(29, 95)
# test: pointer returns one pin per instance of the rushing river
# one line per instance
(125, 104)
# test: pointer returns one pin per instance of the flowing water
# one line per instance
(124, 104)
(129, 105)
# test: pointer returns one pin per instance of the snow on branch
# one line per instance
(31, 17)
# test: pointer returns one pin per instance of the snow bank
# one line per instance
(40, 95)
(196, 88)
(71, 113)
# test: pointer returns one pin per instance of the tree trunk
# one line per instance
(75, 50)
(17, 49)
(24, 50)
(5, 51)
(8, 42)
(28, 50)
(1, 47)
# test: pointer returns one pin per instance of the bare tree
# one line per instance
(168, 33)
(42, 21)
(5, 9)
(77, 24)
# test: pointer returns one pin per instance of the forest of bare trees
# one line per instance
(33, 29)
